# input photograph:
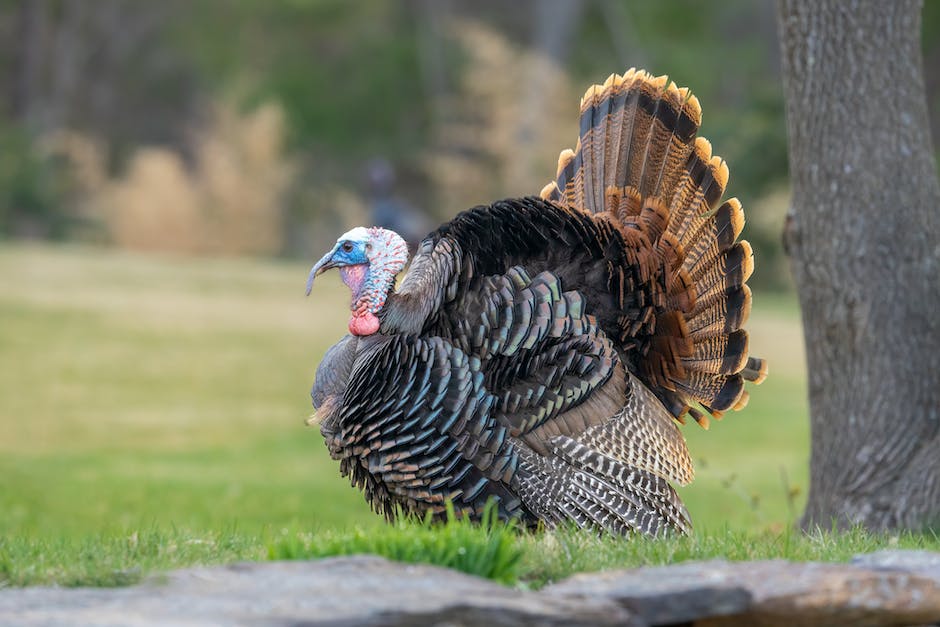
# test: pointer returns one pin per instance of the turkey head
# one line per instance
(368, 262)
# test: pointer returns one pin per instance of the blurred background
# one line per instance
(168, 170)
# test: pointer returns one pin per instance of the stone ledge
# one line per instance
(360, 590)
(884, 588)
(764, 593)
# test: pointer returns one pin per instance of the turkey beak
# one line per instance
(320, 267)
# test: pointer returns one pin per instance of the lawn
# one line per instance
(161, 400)
(145, 391)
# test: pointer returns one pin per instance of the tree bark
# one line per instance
(864, 238)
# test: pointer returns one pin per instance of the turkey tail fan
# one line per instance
(636, 133)
(639, 161)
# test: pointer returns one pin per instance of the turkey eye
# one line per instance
(347, 247)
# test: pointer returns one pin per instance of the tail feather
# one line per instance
(651, 91)
(725, 315)
(721, 354)
(682, 142)
(713, 392)
(663, 127)
(563, 188)
(693, 201)
(639, 159)
(631, 87)
(619, 120)
(755, 370)
(730, 271)
(591, 137)
(714, 236)
(594, 118)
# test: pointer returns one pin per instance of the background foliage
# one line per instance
(123, 122)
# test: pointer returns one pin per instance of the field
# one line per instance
(161, 400)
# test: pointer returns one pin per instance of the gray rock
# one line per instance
(360, 590)
(663, 595)
(764, 593)
(920, 562)
(884, 588)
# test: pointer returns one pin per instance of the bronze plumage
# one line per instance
(539, 351)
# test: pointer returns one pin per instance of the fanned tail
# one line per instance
(639, 164)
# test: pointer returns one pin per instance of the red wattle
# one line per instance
(363, 324)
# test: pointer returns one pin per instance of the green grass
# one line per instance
(493, 550)
(116, 559)
(144, 391)
(163, 399)
(554, 556)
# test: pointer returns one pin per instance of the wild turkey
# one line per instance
(540, 350)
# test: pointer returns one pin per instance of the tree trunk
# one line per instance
(31, 27)
(864, 238)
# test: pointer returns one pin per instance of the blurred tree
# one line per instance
(346, 73)
(864, 235)
(100, 68)
(377, 79)
(555, 21)
(103, 68)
